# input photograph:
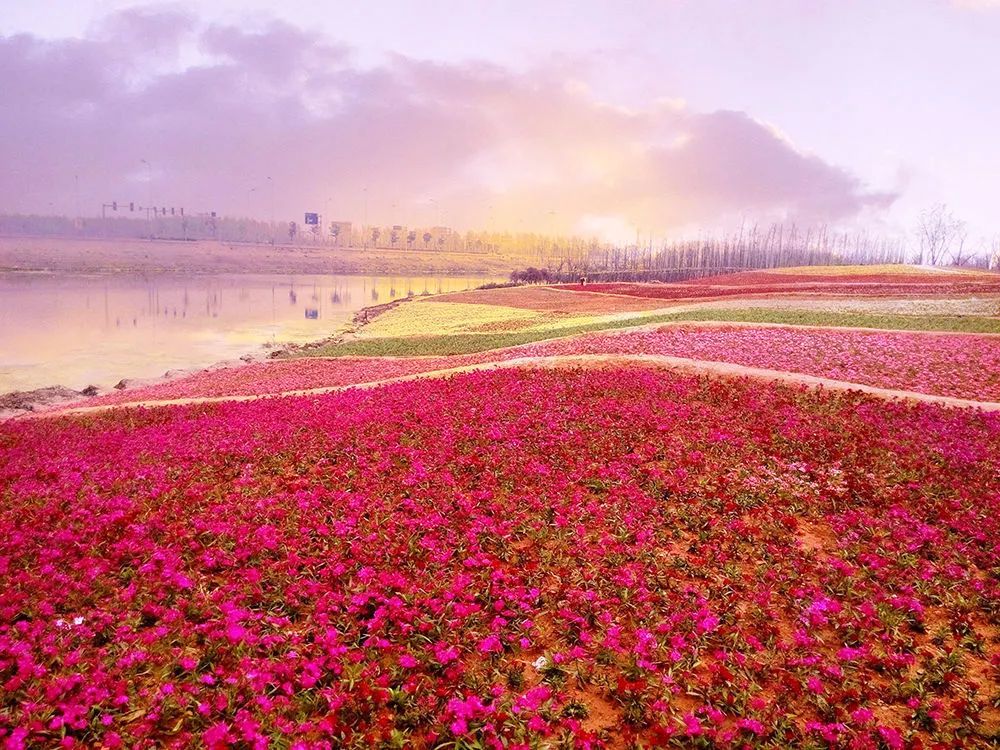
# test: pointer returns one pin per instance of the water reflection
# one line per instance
(78, 330)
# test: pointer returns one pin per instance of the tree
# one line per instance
(411, 237)
(959, 257)
(427, 240)
(376, 232)
(394, 238)
(937, 230)
(292, 229)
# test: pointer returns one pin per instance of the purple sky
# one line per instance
(568, 116)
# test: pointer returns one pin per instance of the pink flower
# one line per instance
(490, 645)
(217, 737)
(892, 738)
(692, 725)
(753, 726)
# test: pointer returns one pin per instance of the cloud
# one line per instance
(218, 109)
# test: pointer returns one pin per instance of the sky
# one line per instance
(595, 118)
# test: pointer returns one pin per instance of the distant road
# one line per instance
(145, 256)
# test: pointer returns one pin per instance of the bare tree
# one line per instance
(959, 256)
(938, 230)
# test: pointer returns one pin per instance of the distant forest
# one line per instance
(940, 241)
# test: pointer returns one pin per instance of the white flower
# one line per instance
(540, 663)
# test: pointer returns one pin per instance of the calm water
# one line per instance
(78, 330)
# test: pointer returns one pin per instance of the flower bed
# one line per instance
(942, 364)
(875, 270)
(695, 291)
(573, 558)
(431, 317)
(852, 275)
(280, 376)
(938, 364)
(547, 299)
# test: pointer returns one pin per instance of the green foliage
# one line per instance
(469, 343)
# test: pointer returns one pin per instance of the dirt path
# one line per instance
(677, 364)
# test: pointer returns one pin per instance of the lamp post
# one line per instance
(329, 200)
(250, 192)
(270, 230)
(149, 197)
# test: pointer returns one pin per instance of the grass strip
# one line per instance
(469, 343)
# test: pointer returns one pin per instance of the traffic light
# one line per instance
(114, 205)
(131, 206)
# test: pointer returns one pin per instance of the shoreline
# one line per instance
(21, 403)
(24, 402)
(35, 256)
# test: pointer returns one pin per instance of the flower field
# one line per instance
(694, 291)
(895, 275)
(276, 377)
(515, 559)
(822, 281)
(937, 364)
(547, 299)
(430, 317)
(875, 270)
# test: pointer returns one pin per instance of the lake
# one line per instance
(80, 330)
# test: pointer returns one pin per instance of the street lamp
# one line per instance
(270, 185)
(149, 196)
(437, 209)
(250, 219)
(329, 200)
(364, 231)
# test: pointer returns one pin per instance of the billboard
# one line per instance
(312, 219)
